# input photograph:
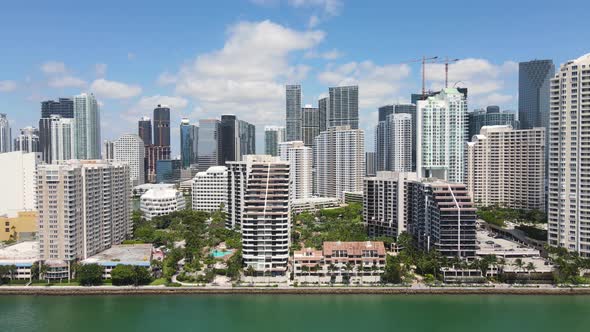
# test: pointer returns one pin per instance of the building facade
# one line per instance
(506, 167)
(161, 125)
(18, 180)
(490, 116)
(144, 127)
(5, 134)
(310, 124)
(273, 135)
(344, 107)
(533, 93)
(27, 140)
(442, 134)
(300, 158)
(189, 143)
(168, 170)
(87, 124)
(62, 138)
(293, 112)
(160, 202)
(210, 189)
(209, 144)
(569, 195)
(130, 149)
(339, 156)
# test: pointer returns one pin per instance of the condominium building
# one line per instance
(108, 151)
(64, 108)
(310, 124)
(569, 167)
(386, 205)
(189, 143)
(210, 189)
(339, 156)
(5, 134)
(370, 164)
(300, 158)
(18, 181)
(87, 124)
(62, 138)
(265, 207)
(384, 133)
(209, 144)
(84, 208)
(130, 149)
(442, 217)
(533, 93)
(442, 133)
(273, 135)
(27, 140)
(343, 109)
(506, 167)
(160, 202)
(293, 112)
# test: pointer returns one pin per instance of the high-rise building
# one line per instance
(144, 126)
(273, 135)
(399, 142)
(84, 208)
(238, 138)
(442, 134)
(246, 139)
(130, 149)
(370, 164)
(385, 111)
(411, 109)
(64, 107)
(491, 116)
(418, 96)
(160, 202)
(189, 141)
(506, 167)
(386, 205)
(533, 93)
(259, 202)
(344, 107)
(161, 125)
(87, 122)
(18, 180)
(5, 134)
(300, 158)
(310, 124)
(154, 153)
(28, 140)
(569, 195)
(168, 170)
(293, 112)
(339, 156)
(323, 105)
(210, 189)
(108, 152)
(62, 138)
(442, 217)
(209, 144)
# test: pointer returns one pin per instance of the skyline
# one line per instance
(224, 63)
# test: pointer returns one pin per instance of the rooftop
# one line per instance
(160, 193)
(126, 254)
(24, 253)
(148, 186)
(490, 245)
(354, 248)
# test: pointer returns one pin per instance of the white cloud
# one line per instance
(100, 69)
(150, 102)
(331, 7)
(329, 55)
(53, 67)
(247, 76)
(493, 99)
(314, 20)
(66, 82)
(7, 86)
(130, 56)
(167, 78)
(114, 90)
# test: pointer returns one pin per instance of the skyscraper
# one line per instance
(87, 122)
(293, 112)
(273, 135)
(64, 107)
(370, 164)
(310, 125)
(339, 155)
(388, 137)
(62, 138)
(238, 138)
(18, 181)
(344, 107)
(533, 93)
(130, 149)
(144, 126)
(300, 158)
(209, 144)
(28, 140)
(442, 134)
(161, 125)
(491, 116)
(108, 152)
(399, 143)
(189, 138)
(323, 105)
(569, 195)
(385, 111)
(5, 134)
(246, 139)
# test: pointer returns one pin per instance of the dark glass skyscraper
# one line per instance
(162, 126)
(311, 124)
(188, 143)
(63, 107)
(343, 107)
(145, 130)
(491, 116)
(238, 138)
(209, 144)
(533, 93)
(293, 112)
(323, 113)
(384, 111)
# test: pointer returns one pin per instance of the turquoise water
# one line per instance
(302, 313)
(218, 253)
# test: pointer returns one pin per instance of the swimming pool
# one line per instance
(221, 253)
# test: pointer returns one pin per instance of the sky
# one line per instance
(207, 58)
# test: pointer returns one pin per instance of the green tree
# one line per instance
(130, 275)
(89, 274)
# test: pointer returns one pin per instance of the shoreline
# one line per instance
(133, 291)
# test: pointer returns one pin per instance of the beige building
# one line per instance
(15, 227)
(506, 167)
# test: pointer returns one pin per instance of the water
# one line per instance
(266, 313)
(219, 253)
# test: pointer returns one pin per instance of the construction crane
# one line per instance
(447, 61)
(435, 59)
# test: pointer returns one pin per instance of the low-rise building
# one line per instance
(142, 189)
(340, 262)
(314, 204)
(160, 202)
(22, 256)
(18, 226)
(124, 254)
(353, 197)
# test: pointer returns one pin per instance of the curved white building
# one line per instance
(210, 189)
(160, 202)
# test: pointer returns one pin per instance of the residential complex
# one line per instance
(293, 113)
(506, 167)
(273, 135)
(210, 189)
(130, 149)
(18, 178)
(300, 158)
(87, 124)
(161, 201)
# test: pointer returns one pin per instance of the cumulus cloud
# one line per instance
(66, 81)
(7, 86)
(114, 90)
(53, 67)
(330, 7)
(246, 76)
(329, 55)
(100, 69)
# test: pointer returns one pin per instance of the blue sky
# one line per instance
(208, 58)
